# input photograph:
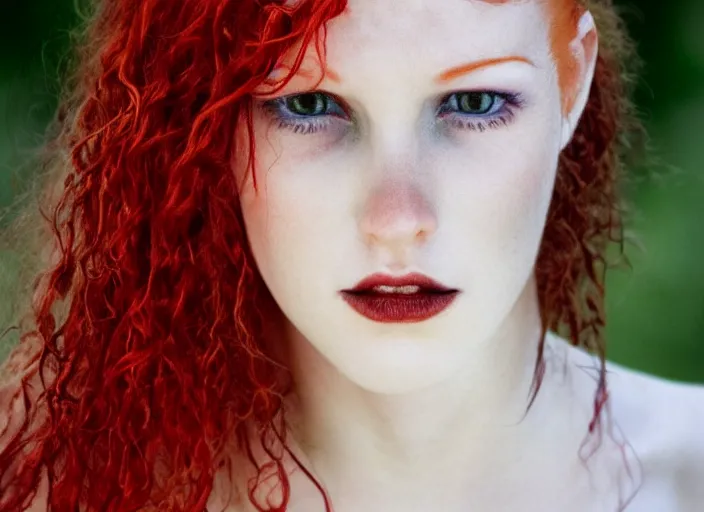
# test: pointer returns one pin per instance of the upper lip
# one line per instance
(414, 279)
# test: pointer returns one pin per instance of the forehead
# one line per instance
(383, 35)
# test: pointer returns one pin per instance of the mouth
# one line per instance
(405, 299)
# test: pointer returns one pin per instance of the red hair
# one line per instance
(159, 360)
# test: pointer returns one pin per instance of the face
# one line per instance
(397, 165)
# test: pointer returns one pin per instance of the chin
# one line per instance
(384, 359)
(397, 366)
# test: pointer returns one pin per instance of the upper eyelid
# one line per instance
(503, 97)
(269, 103)
(439, 101)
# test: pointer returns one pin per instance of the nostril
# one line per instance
(423, 235)
(397, 214)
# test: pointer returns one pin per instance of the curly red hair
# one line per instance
(145, 355)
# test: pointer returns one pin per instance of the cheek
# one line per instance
(527, 195)
(268, 217)
(528, 177)
(273, 212)
(302, 206)
(293, 220)
(497, 202)
(525, 199)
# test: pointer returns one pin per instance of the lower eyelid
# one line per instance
(481, 124)
(302, 125)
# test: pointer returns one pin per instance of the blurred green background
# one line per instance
(655, 311)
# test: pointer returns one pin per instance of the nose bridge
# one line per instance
(397, 207)
(397, 214)
(394, 135)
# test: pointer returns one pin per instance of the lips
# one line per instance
(405, 299)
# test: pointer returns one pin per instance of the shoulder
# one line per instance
(660, 422)
(663, 420)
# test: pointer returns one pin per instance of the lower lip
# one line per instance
(399, 308)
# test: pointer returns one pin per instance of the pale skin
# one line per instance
(429, 416)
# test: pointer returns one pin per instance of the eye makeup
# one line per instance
(314, 111)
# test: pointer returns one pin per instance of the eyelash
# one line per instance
(304, 125)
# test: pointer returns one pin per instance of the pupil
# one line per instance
(475, 101)
(306, 104)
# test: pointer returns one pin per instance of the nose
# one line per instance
(397, 216)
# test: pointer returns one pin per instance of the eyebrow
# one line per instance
(469, 67)
(456, 71)
(450, 73)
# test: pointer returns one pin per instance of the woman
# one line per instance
(317, 255)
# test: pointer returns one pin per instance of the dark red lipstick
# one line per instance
(404, 299)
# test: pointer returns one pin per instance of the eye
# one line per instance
(304, 113)
(479, 110)
(311, 112)
(311, 104)
(474, 102)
